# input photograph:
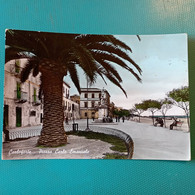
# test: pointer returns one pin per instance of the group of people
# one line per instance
(161, 122)
(107, 119)
(118, 118)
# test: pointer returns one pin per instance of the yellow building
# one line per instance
(90, 101)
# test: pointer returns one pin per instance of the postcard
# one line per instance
(85, 96)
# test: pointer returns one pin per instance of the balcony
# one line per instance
(35, 100)
(15, 69)
(20, 96)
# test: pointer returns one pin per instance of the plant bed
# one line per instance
(118, 144)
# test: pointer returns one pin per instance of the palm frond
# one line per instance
(112, 58)
(86, 62)
(113, 50)
(71, 68)
(110, 69)
(30, 64)
(113, 80)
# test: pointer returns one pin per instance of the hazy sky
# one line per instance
(163, 60)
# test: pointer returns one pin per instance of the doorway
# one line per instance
(18, 117)
(6, 115)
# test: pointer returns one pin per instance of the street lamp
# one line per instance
(87, 129)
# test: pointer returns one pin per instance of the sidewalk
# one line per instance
(77, 148)
(156, 142)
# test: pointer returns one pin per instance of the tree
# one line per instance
(121, 113)
(54, 55)
(166, 104)
(180, 98)
(152, 106)
(139, 109)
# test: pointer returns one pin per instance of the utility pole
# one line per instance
(87, 129)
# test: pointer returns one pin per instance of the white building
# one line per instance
(90, 101)
(22, 106)
(71, 108)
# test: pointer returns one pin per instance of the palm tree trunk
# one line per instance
(52, 133)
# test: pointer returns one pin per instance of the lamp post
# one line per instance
(87, 129)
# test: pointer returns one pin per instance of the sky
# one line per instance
(164, 63)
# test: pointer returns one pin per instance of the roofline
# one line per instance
(94, 90)
(66, 84)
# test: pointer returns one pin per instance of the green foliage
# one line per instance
(180, 97)
(140, 106)
(152, 105)
(118, 144)
(180, 94)
(121, 113)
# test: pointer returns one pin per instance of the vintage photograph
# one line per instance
(84, 96)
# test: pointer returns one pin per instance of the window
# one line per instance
(86, 95)
(33, 113)
(41, 118)
(86, 114)
(34, 94)
(85, 104)
(93, 95)
(92, 104)
(17, 66)
(18, 90)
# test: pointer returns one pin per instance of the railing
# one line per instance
(35, 100)
(20, 96)
(24, 133)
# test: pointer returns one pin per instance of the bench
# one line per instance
(179, 124)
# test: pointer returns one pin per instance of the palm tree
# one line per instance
(54, 55)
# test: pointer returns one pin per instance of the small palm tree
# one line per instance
(54, 55)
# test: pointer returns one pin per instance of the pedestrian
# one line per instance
(123, 119)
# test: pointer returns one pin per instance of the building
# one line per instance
(75, 98)
(71, 108)
(22, 106)
(90, 100)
